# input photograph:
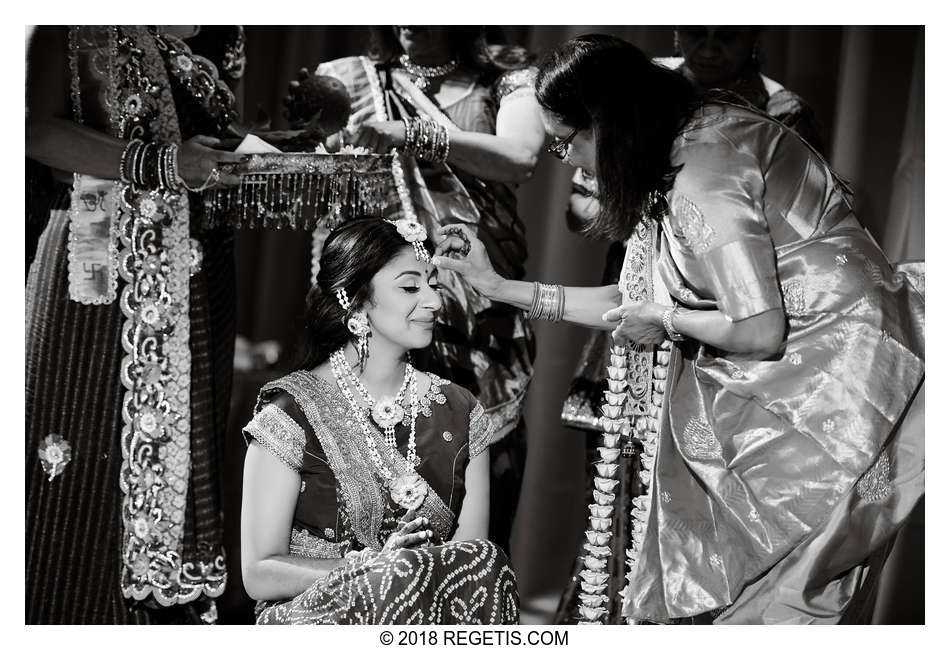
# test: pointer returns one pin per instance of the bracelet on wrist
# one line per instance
(668, 325)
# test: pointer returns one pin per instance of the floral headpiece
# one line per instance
(414, 233)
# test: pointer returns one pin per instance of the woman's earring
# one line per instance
(358, 325)
(755, 53)
(676, 43)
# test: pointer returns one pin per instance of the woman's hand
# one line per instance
(640, 322)
(199, 163)
(461, 251)
(411, 532)
(380, 137)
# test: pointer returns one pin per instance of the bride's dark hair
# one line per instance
(352, 255)
(635, 108)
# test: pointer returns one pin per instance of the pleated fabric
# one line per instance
(73, 355)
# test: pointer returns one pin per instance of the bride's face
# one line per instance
(580, 149)
(405, 301)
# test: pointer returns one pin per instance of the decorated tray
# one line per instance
(303, 190)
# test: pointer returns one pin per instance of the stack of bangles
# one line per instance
(547, 303)
(427, 140)
(155, 166)
(671, 331)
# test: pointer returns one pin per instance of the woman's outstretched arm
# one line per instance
(582, 305)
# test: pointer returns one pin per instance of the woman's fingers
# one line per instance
(418, 538)
(205, 140)
(613, 315)
(618, 336)
(452, 244)
(224, 157)
(414, 525)
(459, 266)
(453, 228)
(410, 539)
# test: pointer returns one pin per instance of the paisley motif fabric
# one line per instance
(780, 476)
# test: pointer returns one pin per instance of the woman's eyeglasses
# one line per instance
(558, 148)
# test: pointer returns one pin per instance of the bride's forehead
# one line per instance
(405, 260)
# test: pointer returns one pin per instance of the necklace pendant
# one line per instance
(421, 83)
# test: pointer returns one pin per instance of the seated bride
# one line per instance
(366, 481)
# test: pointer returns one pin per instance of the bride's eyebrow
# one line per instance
(416, 273)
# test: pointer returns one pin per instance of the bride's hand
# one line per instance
(461, 251)
(408, 534)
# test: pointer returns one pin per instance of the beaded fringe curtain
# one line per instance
(303, 191)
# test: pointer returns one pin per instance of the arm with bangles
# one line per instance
(759, 336)
(55, 140)
(460, 251)
(509, 155)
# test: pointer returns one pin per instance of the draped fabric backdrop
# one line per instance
(866, 86)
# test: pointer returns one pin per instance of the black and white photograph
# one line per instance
(474, 325)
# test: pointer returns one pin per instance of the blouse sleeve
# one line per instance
(480, 430)
(514, 84)
(718, 217)
(279, 434)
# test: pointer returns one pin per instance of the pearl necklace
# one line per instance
(386, 413)
(422, 73)
(341, 371)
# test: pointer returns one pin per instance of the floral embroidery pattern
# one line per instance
(234, 57)
(434, 394)
(55, 453)
(793, 293)
(480, 430)
(154, 260)
(699, 441)
(694, 229)
(636, 285)
(305, 544)
(875, 485)
(279, 434)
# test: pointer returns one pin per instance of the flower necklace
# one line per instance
(408, 490)
(388, 411)
(422, 73)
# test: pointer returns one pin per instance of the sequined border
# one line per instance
(304, 544)
(155, 261)
(279, 434)
(480, 429)
(636, 285)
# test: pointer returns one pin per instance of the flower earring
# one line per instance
(358, 324)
